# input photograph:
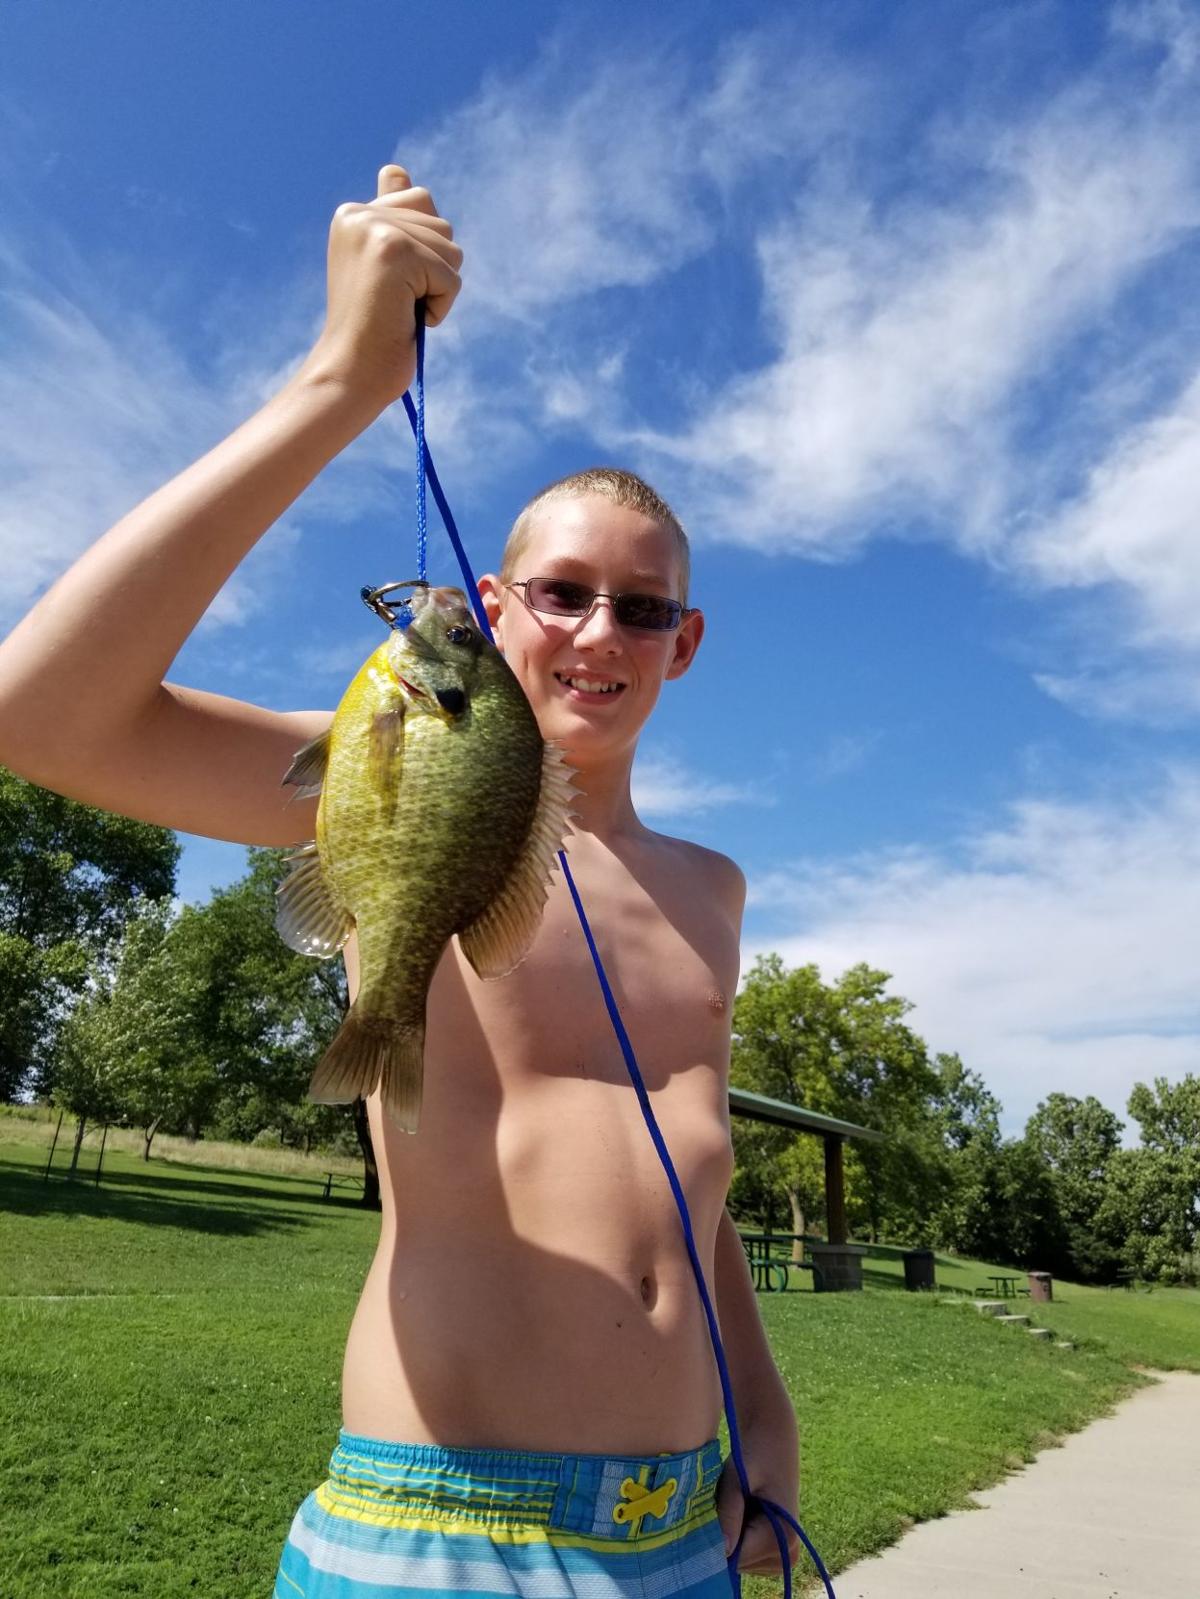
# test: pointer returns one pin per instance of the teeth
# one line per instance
(587, 686)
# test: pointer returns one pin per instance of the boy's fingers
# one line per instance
(407, 202)
(760, 1548)
(392, 178)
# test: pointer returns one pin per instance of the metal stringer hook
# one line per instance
(398, 615)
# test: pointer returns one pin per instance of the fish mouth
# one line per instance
(591, 689)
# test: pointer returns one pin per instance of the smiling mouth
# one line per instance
(589, 685)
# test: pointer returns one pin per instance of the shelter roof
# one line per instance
(757, 1107)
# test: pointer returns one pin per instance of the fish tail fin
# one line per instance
(370, 1052)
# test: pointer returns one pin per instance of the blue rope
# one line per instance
(422, 532)
(774, 1513)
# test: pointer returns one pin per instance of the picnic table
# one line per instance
(335, 1179)
(770, 1273)
(1003, 1287)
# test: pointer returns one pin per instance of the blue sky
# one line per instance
(896, 304)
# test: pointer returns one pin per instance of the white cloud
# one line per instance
(1135, 526)
(664, 787)
(1057, 952)
(562, 181)
(1159, 694)
(905, 333)
(843, 753)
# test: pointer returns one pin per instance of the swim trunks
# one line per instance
(424, 1519)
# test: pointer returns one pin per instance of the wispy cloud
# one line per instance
(664, 788)
(1136, 524)
(842, 754)
(1055, 952)
(563, 182)
(907, 333)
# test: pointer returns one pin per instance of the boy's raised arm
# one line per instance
(84, 709)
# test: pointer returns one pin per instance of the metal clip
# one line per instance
(398, 615)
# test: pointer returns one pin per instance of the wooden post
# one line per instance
(835, 1190)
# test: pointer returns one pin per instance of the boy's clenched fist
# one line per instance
(384, 256)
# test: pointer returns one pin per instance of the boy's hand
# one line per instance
(383, 257)
(773, 1469)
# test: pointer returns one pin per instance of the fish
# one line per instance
(442, 811)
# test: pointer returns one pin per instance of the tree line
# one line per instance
(1066, 1197)
(121, 1006)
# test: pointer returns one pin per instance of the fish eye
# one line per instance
(458, 635)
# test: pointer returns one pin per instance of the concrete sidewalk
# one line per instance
(1113, 1514)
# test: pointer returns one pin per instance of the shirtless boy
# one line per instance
(531, 1291)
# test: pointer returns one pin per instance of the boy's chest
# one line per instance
(671, 957)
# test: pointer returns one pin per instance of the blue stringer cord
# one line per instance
(774, 1513)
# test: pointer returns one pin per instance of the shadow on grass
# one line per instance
(23, 1192)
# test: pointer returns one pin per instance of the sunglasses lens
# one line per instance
(648, 610)
(558, 597)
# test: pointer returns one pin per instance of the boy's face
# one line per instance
(615, 550)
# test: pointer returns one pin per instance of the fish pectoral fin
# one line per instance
(307, 771)
(499, 938)
(370, 1052)
(306, 915)
(385, 749)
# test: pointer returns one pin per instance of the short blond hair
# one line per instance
(622, 488)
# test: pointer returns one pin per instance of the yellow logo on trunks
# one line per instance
(643, 1501)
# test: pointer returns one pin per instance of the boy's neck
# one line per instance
(604, 806)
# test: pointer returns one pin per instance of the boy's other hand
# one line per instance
(772, 1473)
(384, 256)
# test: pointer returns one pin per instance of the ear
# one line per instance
(491, 592)
(687, 642)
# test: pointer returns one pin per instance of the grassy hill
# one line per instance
(171, 1345)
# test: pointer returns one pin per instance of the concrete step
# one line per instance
(989, 1307)
(1040, 1332)
(1013, 1321)
(1064, 1344)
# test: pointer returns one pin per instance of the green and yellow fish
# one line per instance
(441, 812)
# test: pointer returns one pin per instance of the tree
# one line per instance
(1152, 1201)
(1076, 1140)
(842, 1049)
(967, 1117)
(70, 877)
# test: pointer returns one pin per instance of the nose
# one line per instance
(599, 629)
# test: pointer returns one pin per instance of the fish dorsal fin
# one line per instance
(306, 917)
(307, 771)
(499, 938)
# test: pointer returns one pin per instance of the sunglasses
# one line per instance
(558, 596)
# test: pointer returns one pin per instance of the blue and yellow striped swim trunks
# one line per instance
(425, 1519)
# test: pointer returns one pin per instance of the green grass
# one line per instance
(170, 1354)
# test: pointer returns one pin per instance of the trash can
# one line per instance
(1041, 1287)
(918, 1269)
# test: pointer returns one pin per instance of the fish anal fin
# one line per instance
(306, 916)
(307, 771)
(499, 938)
(369, 1053)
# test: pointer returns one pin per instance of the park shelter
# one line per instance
(840, 1260)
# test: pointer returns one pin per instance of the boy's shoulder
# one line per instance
(707, 870)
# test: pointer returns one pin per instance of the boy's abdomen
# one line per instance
(533, 1291)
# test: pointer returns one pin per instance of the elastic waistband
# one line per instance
(621, 1497)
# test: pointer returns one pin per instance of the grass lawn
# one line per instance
(170, 1353)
